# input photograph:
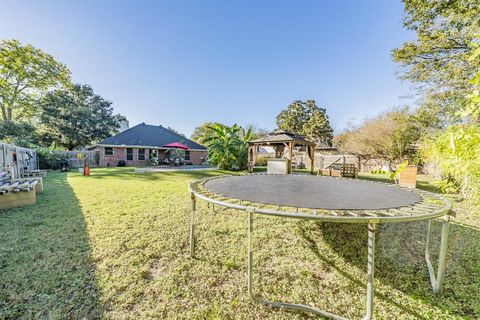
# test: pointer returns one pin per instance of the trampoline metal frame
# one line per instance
(370, 217)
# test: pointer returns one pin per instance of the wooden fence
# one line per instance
(323, 161)
(76, 158)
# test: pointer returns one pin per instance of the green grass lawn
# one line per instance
(115, 245)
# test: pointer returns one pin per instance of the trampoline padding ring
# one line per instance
(306, 191)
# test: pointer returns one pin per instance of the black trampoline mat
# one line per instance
(306, 191)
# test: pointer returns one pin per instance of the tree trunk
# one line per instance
(4, 114)
(9, 113)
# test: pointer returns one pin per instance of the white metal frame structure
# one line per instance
(430, 207)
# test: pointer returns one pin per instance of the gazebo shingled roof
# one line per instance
(279, 136)
(280, 139)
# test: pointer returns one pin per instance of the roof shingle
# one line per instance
(146, 135)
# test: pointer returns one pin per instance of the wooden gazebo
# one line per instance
(283, 142)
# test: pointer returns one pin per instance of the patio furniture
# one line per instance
(329, 200)
(339, 170)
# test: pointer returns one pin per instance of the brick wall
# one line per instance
(198, 157)
(120, 153)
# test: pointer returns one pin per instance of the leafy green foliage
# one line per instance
(76, 117)
(228, 146)
(457, 151)
(19, 133)
(48, 158)
(255, 131)
(26, 73)
(202, 132)
(457, 148)
(262, 160)
(39, 105)
(394, 174)
(437, 59)
(308, 120)
(390, 136)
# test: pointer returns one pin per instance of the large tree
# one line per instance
(306, 119)
(19, 133)
(76, 117)
(437, 60)
(202, 132)
(26, 73)
(390, 136)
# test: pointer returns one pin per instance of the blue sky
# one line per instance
(180, 63)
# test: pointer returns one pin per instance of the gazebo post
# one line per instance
(251, 157)
(311, 153)
(290, 156)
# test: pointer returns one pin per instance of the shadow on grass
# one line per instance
(400, 263)
(46, 266)
(129, 173)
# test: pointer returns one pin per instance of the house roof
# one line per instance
(146, 135)
(279, 136)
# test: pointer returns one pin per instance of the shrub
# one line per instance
(48, 159)
(262, 160)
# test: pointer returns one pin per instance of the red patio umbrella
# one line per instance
(176, 145)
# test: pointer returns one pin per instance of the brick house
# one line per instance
(135, 145)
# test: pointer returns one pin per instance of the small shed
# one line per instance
(283, 143)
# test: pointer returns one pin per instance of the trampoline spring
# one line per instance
(384, 213)
(352, 213)
(367, 213)
(403, 212)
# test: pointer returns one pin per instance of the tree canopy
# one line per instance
(41, 107)
(19, 133)
(444, 61)
(76, 117)
(390, 136)
(202, 132)
(438, 59)
(308, 120)
(26, 73)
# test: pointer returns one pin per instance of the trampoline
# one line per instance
(325, 199)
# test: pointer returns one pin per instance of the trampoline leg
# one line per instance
(372, 227)
(436, 280)
(298, 307)
(192, 225)
(250, 256)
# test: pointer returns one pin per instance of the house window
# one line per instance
(108, 151)
(129, 154)
(187, 155)
(141, 154)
